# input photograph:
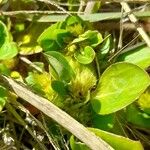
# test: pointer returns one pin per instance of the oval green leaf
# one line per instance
(120, 85)
(60, 65)
(86, 56)
(54, 37)
(8, 50)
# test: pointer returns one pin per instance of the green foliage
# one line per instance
(139, 55)
(40, 83)
(59, 34)
(103, 122)
(144, 101)
(53, 38)
(60, 65)
(92, 38)
(4, 69)
(3, 97)
(8, 49)
(69, 66)
(117, 142)
(77, 145)
(104, 47)
(75, 25)
(59, 87)
(140, 118)
(85, 56)
(118, 87)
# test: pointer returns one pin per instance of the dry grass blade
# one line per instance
(50, 16)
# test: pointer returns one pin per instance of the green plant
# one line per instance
(77, 77)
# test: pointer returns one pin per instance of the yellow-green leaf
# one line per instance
(115, 141)
(60, 65)
(120, 85)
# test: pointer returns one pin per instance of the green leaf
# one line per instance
(118, 142)
(72, 20)
(4, 69)
(140, 118)
(144, 101)
(75, 25)
(59, 87)
(120, 85)
(86, 56)
(92, 38)
(104, 122)
(115, 141)
(105, 47)
(3, 97)
(54, 37)
(139, 55)
(60, 65)
(8, 50)
(77, 145)
(41, 83)
(4, 36)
